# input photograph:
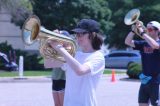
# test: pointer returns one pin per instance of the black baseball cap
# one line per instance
(87, 25)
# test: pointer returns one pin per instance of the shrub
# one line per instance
(31, 61)
(133, 70)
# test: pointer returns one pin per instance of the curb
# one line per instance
(41, 79)
(24, 79)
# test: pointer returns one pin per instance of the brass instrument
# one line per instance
(131, 18)
(32, 31)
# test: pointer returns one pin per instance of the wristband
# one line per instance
(142, 33)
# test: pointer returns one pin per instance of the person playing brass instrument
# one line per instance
(83, 72)
(58, 79)
(149, 49)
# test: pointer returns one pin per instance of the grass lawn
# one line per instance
(39, 73)
(110, 72)
(26, 73)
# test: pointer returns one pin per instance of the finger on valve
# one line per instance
(50, 43)
(67, 46)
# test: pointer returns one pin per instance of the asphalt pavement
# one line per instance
(36, 91)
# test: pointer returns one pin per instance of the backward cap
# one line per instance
(155, 24)
(87, 25)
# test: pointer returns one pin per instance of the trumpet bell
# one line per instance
(30, 30)
(132, 16)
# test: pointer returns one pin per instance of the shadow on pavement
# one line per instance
(129, 79)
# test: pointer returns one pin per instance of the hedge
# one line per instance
(133, 70)
(31, 61)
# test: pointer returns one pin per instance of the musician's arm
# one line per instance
(146, 37)
(151, 41)
(129, 39)
(80, 69)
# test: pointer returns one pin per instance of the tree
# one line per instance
(19, 10)
(64, 14)
(149, 11)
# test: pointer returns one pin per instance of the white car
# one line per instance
(121, 59)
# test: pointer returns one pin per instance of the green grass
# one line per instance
(26, 73)
(110, 72)
(39, 73)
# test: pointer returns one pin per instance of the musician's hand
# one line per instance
(55, 44)
(139, 25)
(66, 45)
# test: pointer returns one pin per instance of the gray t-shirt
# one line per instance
(58, 73)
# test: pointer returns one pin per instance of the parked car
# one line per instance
(7, 65)
(122, 59)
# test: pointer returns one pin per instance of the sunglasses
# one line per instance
(151, 29)
(80, 34)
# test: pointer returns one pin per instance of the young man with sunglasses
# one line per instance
(149, 49)
(83, 72)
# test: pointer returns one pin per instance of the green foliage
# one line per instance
(65, 14)
(31, 61)
(19, 9)
(133, 71)
(149, 11)
(5, 47)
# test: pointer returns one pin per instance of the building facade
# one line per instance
(13, 34)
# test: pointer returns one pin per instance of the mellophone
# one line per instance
(32, 31)
(131, 18)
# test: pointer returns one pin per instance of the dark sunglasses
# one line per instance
(80, 34)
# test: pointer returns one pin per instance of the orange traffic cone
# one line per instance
(113, 79)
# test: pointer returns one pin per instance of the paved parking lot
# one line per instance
(37, 92)
(118, 93)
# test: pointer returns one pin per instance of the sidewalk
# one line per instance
(122, 92)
